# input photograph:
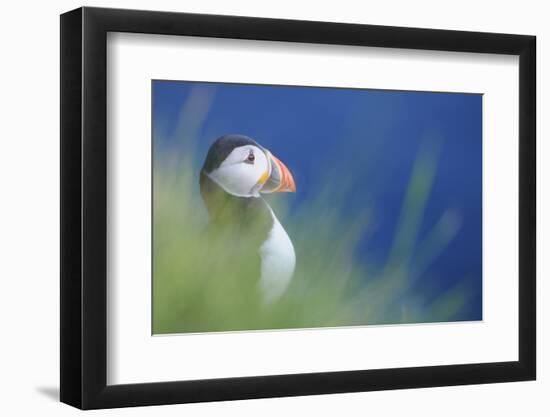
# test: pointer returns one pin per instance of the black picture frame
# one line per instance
(84, 207)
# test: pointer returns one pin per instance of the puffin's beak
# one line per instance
(280, 180)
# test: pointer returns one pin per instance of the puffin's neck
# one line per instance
(226, 209)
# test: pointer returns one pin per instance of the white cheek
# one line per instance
(237, 179)
(261, 163)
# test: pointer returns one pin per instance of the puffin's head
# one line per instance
(243, 168)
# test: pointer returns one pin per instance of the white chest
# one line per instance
(278, 262)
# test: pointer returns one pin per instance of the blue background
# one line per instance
(374, 134)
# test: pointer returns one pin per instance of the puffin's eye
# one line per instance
(250, 159)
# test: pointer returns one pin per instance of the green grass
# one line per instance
(194, 290)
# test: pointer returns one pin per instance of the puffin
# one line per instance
(236, 172)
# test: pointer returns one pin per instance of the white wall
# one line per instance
(29, 176)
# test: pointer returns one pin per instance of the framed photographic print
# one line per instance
(258, 207)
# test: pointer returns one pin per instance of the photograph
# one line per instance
(301, 207)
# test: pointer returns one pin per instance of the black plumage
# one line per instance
(222, 147)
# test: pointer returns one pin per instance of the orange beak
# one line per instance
(287, 183)
(280, 180)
